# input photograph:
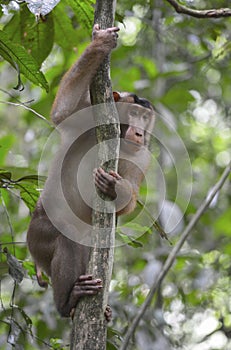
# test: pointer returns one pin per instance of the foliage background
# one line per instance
(182, 65)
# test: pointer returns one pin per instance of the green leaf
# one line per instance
(111, 332)
(29, 194)
(137, 227)
(37, 37)
(119, 17)
(32, 178)
(84, 12)
(18, 174)
(27, 185)
(111, 346)
(18, 57)
(65, 34)
(5, 178)
(56, 343)
(129, 240)
(29, 267)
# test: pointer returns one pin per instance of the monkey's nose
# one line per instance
(138, 134)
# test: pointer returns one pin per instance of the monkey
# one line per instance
(52, 231)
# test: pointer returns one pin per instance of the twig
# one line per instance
(155, 224)
(8, 220)
(212, 13)
(172, 256)
(28, 109)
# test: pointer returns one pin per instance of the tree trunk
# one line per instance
(89, 324)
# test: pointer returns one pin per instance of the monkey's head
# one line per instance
(137, 118)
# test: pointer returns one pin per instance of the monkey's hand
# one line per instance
(106, 182)
(106, 37)
(117, 188)
(85, 285)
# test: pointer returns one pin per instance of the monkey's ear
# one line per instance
(116, 96)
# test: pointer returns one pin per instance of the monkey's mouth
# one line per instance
(133, 142)
(132, 145)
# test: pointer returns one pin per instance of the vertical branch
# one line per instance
(89, 327)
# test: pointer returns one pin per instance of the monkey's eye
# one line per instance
(146, 117)
(134, 113)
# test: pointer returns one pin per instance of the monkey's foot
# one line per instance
(108, 313)
(42, 283)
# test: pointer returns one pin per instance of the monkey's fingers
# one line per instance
(99, 177)
(111, 172)
(113, 29)
(103, 177)
(80, 289)
(105, 182)
(85, 277)
(87, 287)
(115, 175)
(88, 279)
(96, 27)
(78, 292)
(95, 282)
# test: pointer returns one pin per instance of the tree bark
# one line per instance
(89, 325)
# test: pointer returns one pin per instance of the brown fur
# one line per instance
(61, 258)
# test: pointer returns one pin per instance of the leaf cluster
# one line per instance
(28, 37)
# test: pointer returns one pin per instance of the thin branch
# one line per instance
(155, 224)
(8, 220)
(28, 109)
(173, 255)
(12, 243)
(212, 13)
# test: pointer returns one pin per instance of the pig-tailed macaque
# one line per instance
(53, 233)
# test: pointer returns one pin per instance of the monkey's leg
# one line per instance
(67, 275)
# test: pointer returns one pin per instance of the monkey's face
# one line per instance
(138, 120)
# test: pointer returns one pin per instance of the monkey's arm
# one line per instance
(74, 87)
